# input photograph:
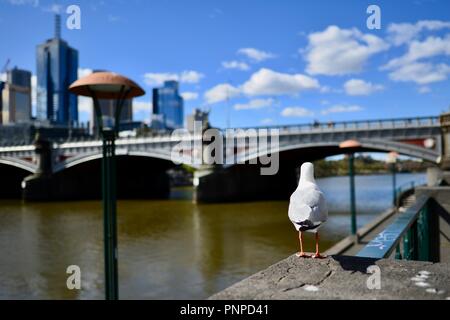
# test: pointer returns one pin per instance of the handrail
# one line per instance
(310, 127)
(389, 239)
(408, 186)
(356, 123)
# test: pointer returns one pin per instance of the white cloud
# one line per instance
(263, 82)
(297, 112)
(113, 18)
(418, 50)
(416, 64)
(235, 65)
(139, 106)
(189, 95)
(85, 105)
(220, 93)
(421, 73)
(159, 78)
(55, 8)
(3, 76)
(255, 104)
(255, 54)
(187, 76)
(83, 72)
(401, 33)
(267, 121)
(339, 108)
(358, 87)
(336, 51)
(424, 89)
(33, 3)
(269, 82)
(191, 76)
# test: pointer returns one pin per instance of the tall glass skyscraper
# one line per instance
(57, 68)
(167, 107)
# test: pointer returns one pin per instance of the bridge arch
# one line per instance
(19, 163)
(152, 154)
(12, 173)
(140, 175)
(324, 149)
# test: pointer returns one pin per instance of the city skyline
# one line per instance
(248, 73)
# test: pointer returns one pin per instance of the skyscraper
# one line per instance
(167, 107)
(57, 68)
(15, 95)
(108, 108)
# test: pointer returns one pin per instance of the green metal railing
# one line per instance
(408, 186)
(408, 236)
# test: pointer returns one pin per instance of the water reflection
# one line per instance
(167, 249)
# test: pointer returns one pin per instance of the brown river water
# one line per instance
(170, 249)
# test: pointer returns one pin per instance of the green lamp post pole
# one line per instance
(391, 161)
(351, 173)
(109, 186)
(394, 184)
(349, 147)
(107, 85)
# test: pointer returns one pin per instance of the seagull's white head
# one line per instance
(307, 172)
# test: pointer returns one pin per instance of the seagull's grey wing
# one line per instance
(321, 212)
(315, 200)
(298, 211)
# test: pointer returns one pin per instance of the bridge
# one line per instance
(71, 169)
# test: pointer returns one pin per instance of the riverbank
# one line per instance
(365, 165)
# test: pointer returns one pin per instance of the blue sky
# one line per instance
(277, 62)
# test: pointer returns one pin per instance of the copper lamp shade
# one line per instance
(106, 85)
(349, 144)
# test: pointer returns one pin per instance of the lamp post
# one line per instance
(391, 161)
(349, 147)
(107, 85)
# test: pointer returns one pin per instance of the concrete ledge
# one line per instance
(342, 277)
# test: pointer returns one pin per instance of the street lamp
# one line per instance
(391, 160)
(107, 85)
(349, 147)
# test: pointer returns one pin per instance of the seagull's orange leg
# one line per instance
(301, 254)
(317, 255)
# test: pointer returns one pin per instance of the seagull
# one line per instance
(307, 207)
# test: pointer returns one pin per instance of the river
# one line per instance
(170, 249)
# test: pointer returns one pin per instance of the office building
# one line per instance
(202, 117)
(15, 96)
(57, 68)
(108, 108)
(167, 107)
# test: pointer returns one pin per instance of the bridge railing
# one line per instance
(307, 127)
(357, 125)
(408, 235)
